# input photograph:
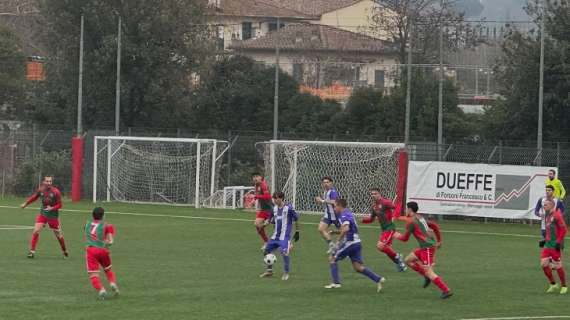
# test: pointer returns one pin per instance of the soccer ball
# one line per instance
(270, 259)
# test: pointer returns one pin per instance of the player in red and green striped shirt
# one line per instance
(99, 237)
(553, 243)
(263, 208)
(50, 198)
(422, 259)
(383, 209)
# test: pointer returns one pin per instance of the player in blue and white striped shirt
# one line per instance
(283, 216)
(349, 246)
(329, 217)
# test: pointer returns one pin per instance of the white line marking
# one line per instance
(14, 227)
(251, 221)
(521, 318)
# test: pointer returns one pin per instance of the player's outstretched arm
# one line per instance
(30, 200)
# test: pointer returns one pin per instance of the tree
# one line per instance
(12, 75)
(392, 18)
(515, 117)
(163, 44)
(238, 94)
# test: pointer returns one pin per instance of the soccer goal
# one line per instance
(156, 170)
(296, 168)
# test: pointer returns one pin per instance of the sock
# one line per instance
(417, 268)
(548, 273)
(286, 263)
(390, 253)
(111, 276)
(441, 285)
(96, 282)
(334, 273)
(261, 232)
(34, 241)
(562, 276)
(370, 274)
(61, 243)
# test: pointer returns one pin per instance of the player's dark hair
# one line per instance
(255, 174)
(278, 195)
(553, 171)
(327, 178)
(375, 189)
(98, 213)
(341, 203)
(47, 176)
(413, 206)
(551, 187)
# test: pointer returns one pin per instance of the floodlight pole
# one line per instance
(409, 84)
(80, 84)
(276, 97)
(118, 83)
(440, 97)
(540, 90)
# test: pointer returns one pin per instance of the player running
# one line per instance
(423, 258)
(263, 207)
(328, 201)
(383, 209)
(349, 246)
(539, 208)
(49, 214)
(283, 216)
(553, 243)
(99, 237)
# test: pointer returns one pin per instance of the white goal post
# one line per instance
(297, 167)
(177, 171)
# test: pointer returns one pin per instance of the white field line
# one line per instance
(251, 221)
(14, 227)
(521, 318)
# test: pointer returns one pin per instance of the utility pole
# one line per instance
(118, 84)
(276, 97)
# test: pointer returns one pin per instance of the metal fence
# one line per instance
(26, 154)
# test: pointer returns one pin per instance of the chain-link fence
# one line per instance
(29, 153)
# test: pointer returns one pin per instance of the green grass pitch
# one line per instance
(172, 266)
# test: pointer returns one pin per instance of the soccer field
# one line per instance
(182, 263)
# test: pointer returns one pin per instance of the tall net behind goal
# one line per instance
(156, 170)
(297, 167)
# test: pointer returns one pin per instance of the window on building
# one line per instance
(246, 30)
(273, 26)
(298, 72)
(379, 78)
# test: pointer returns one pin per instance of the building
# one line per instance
(321, 57)
(326, 45)
(248, 19)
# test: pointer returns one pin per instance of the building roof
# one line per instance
(256, 8)
(315, 7)
(296, 37)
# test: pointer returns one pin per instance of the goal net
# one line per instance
(156, 170)
(297, 167)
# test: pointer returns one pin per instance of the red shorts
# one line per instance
(262, 214)
(552, 254)
(426, 256)
(97, 257)
(53, 223)
(387, 237)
